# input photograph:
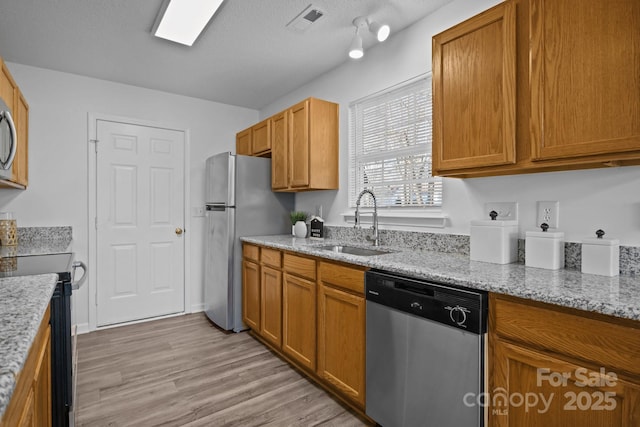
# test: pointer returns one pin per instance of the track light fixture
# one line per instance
(355, 50)
(381, 31)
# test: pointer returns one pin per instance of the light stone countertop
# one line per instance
(23, 302)
(617, 296)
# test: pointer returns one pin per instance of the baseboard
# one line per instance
(195, 308)
(82, 328)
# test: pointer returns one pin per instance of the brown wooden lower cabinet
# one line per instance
(251, 294)
(555, 367)
(547, 366)
(271, 305)
(341, 341)
(299, 320)
(342, 329)
(30, 403)
(544, 390)
(322, 313)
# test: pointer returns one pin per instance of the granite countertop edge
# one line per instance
(23, 303)
(617, 296)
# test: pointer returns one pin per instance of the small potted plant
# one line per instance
(298, 224)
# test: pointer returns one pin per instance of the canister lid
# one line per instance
(546, 234)
(600, 240)
(491, 223)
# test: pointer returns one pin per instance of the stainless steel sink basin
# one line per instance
(354, 250)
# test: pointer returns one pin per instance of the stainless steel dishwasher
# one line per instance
(425, 352)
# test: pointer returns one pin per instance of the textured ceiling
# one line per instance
(245, 56)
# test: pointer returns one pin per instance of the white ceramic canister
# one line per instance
(601, 255)
(494, 241)
(544, 249)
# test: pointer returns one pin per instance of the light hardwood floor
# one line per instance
(183, 371)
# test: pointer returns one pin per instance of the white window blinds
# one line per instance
(390, 147)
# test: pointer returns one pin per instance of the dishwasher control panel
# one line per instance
(460, 308)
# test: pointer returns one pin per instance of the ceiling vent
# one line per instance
(303, 21)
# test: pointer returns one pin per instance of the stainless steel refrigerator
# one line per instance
(239, 202)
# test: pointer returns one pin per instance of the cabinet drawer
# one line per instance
(251, 252)
(603, 343)
(342, 276)
(271, 257)
(305, 267)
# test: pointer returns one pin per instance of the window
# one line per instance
(390, 147)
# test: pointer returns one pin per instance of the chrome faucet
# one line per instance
(375, 237)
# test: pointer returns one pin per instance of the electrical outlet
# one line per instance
(507, 211)
(548, 212)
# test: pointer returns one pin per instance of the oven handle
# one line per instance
(77, 283)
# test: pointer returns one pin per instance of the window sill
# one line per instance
(414, 218)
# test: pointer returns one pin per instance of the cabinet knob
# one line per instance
(179, 231)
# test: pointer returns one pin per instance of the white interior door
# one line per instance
(140, 217)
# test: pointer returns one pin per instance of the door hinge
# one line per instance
(96, 299)
(95, 146)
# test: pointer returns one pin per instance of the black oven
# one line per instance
(62, 372)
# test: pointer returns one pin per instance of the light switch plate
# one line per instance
(507, 211)
(548, 212)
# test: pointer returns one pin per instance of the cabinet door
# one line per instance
(341, 341)
(28, 416)
(556, 392)
(474, 91)
(42, 384)
(279, 151)
(299, 145)
(7, 87)
(261, 137)
(299, 320)
(271, 305)
(243, 142)
(251, 294)
(21, 162)
(585, 77)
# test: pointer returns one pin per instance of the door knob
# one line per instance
(178, 231)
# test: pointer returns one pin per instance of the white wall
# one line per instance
(58, 190)
(592, 199)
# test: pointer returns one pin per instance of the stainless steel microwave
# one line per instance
(8, 141)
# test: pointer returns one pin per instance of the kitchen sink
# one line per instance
(354, 250)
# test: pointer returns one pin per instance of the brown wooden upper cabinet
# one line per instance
(474, 81)
(538, 85)
(243, 142)
(12, 96)
(261, 138)
(310, 151)
(302, 142)
(256, 140)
